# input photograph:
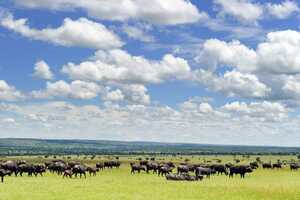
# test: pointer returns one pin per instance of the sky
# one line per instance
(210, 72)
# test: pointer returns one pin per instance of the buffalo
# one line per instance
(79, 169)
(267, 166)
(136, 167)
(204, 171)
(4, 173)
(183, 177)
(92, 171)
(294, 166)
(100, 166)
(242, 170)
(277, 166)
(68, 173)
(152, 166)
(182, 169)
(220, 169)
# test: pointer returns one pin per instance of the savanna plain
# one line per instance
(117, 184)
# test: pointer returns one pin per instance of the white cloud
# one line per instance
(81, 33)
(282, 10)
(291, 88)
(115, 95)
(8, 120)
(120, 66)
(272, 68)
(233, 123)
(76, 89)
(279, 54)
(216, 53)
(243, 10)
(168, 12)
(9, 93)
(233, 83)
(42, 70)
(137, 33)
(136, 94)
(263, 111)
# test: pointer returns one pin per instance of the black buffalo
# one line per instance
(220, 169)
(267, 165)
(137, 167)
(4, 173)
(79, 169)
(92, 171)
(182, 169)
(277, 166)
(183, 177)
(203, 171)
(242, 170)
(100, 166)
(294, 166)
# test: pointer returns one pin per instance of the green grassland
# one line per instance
(118, 184)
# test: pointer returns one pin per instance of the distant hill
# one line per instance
(44, 147)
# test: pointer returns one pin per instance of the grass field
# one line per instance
(118, 184)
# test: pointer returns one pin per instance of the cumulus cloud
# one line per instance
(216, 53)
(245, 11)
(42, 70)
(115, 95)
(195, 122)
(9, 93)
(278, 54)
(269, 68)
(81, 33)
(262, 111)
(233, 83)
(167, 12)
(282, 10)
(136, 94)
(120, 66)
(76, 89)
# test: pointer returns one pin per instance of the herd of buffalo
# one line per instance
(181, 172)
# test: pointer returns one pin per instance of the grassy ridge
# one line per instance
(40, 147)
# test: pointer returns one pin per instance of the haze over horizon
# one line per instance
(179, 71)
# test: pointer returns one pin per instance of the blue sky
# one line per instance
(218, 71)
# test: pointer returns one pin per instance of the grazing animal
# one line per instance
(144, 162)
(68, 173)
(183, 177)
(242, 170)
(220, 169)
(152, 166)
(136, 167)
(4, 173)
(11, 166)
(277, 166)
(204, 171)
(100, 166)
(294, 166)
(111, 164)
(79, 169)
(164, 170)
(182, 169)
(254, 165)
(92, 171)
(58, 167)
(267, 166)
